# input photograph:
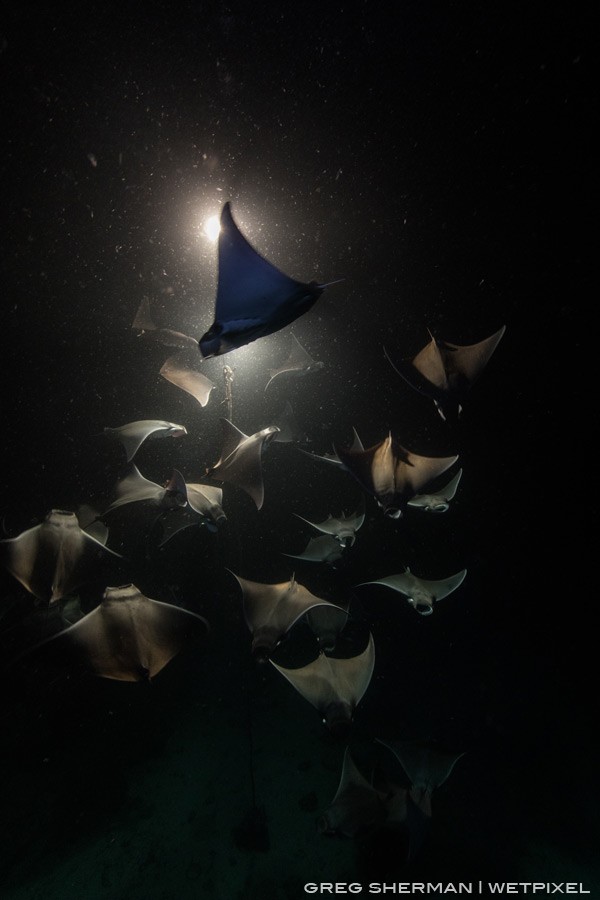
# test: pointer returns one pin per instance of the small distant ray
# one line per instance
(299, 362)
(421, 593)
(324, 548)
(343, 528)
(426, 765)
(333, 458)
(445, 372)
(254, 298)
(132, 435)
(183, 375)
(437, 501)
(357, 806)
(145, 326)
(289, 430)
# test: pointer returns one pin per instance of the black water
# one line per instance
(438, 157)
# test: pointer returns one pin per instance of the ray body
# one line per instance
(392, 474)
(445, 372)
(147, 329)
(270, 611)
(177, 370)
(240, 462)
(298, 363)
(324, 548)
(357, 806)
(54, 558)
(254, 298)
(130, 637)
(207, 501)
(342, 528)
(132, 435)
(437, 501)
(334, 686)
(421, 593)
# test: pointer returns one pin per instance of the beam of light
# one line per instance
(212, 228)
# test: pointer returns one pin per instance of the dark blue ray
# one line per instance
(254, 298)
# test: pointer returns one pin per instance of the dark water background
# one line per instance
(438, 156)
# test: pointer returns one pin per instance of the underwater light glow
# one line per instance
(212, 228)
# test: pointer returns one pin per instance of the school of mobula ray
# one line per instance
(131, 637)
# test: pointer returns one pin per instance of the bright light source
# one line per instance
(212, 228)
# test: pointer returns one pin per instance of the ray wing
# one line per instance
(438, 501)
(324, 548)
(179, 372)
(440, 588)
(470, 360)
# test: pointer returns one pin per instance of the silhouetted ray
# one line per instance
(289, 430)
(333, 458)
(445, 372)
(356, 807)
(254, 298)
(421, 593)
(147, 329)
(426, 765)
